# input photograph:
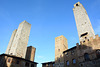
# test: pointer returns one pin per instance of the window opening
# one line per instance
(86, 57)
(84, 34)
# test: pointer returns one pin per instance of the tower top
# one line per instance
(25, 22)
(78, 4)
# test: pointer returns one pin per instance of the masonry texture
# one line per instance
(89, 53)
(60, 46)
(13, 61)
(84, 27)
(11, 41)
(19, 40)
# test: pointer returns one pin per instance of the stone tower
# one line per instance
(60, 46)
(84, 27)
(30, 54)
(18, 43)
(10, 42)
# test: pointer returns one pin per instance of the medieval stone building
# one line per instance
(17, 53)
(48, 64)
(85, 54)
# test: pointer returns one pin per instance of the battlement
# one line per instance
(92, 43)
(90, 40)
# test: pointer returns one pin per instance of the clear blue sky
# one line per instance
(49, 19)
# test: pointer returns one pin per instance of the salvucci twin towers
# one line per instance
(19, 55)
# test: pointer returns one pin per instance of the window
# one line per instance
(67, 63)
(17, 62)
(98, 53)
(66, 53)
(83, 41)
(32, 65)
(53, 65)
(9, 60)
(85, 37)
(77, 5)
(27, 64)
(86, 57)
(81, 64)
(84, 34)
(49, 65)
(72, 52)
(74, 61)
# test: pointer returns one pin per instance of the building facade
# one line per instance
(17, 53)
(13, 61)
(48, 64)
(70, 57)
(89, 53)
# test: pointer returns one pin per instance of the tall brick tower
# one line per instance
(60, 46)
(84, 27)
(18, 43)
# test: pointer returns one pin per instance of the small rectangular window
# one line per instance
(32, 65)
(72, 52)
(27, 64)
(67, 63)
(66, 53)
(9, 60)
(74, 61)
(17, 62)
(84, 34)
(53, 65)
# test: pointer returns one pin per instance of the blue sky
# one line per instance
(49, 19)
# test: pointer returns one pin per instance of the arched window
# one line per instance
(98, 53)
(53, 65)
(74, 61)
(86, 57)
(67, 63)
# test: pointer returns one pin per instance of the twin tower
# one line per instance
(18, 43)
